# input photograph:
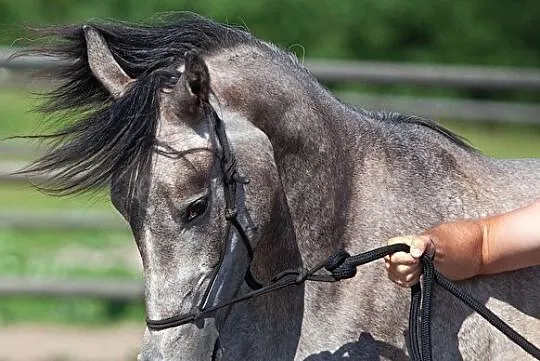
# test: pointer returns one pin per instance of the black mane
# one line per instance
(397, 118)
(108, 136)
(119, 135)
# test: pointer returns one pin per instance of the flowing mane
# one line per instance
(106, 136)
(397, 119)
(137, 48)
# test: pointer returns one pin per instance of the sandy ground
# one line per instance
(63, 343)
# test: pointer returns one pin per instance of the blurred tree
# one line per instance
(497, 32)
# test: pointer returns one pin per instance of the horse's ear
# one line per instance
(196, 75)
(102, 63)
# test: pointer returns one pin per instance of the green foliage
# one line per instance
(476, 31)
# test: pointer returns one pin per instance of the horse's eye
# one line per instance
(195, 209)
(172, 81)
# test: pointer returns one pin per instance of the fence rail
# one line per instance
(63, 220)
(437, 108)
(120, 290)
(474, 77)
(18, 150)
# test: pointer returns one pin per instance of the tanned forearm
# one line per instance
(467, 248)
(511, 240)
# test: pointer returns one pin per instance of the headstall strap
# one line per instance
(229, 168)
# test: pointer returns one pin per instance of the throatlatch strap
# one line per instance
(231, 178)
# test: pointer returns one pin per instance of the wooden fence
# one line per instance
(14, 73)
(114, 290)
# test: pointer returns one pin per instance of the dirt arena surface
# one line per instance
(67, 343)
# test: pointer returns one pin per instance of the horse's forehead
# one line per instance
(197, 140)
(181, 136)
(183, 155)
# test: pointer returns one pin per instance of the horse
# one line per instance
(232, 163)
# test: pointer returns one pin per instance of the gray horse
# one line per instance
(322, 175)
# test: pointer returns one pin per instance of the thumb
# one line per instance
(419, 246)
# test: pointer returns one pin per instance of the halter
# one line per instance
(339, 266)
(230, 178)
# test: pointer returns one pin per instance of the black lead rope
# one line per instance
(342, 266)
(432, 276)
(422, 298)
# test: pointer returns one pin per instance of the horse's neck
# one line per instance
(310, 154)
(313, 152)
(307, 127)
(323, 150)
(352, 181)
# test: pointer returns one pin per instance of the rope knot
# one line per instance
(344, 271)
(230, 213)
(336, 260)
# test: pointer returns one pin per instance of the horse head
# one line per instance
(179, 200)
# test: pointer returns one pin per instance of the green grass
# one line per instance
(22, 196)
(500, 140)
(69, 311)
(67, 254)
(101, 254)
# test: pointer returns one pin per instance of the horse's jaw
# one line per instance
(183, 343)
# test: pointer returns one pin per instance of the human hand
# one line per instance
(404, 268)
(457, 249)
